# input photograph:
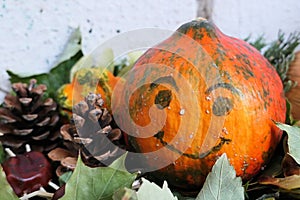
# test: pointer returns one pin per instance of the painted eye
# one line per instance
(222, 106)
(163, 99)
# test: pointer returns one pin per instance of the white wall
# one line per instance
(34, 32)
(241, 18)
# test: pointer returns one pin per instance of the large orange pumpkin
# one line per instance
(197, 95)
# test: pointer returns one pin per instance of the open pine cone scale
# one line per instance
(92, 133)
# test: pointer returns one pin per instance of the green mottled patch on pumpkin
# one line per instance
(201, 27)
(103, 83)
(265, 92)
(245, 59)
(198, 35)
(85, 78)
(247, 73)
(225, 74)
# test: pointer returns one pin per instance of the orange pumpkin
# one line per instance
(197, 95)
(87, 80)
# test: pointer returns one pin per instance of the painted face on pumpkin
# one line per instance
(222, 105)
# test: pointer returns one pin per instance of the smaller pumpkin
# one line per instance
(86, 80)
(294, 94)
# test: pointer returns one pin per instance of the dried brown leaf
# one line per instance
(290, 166)
(287, 183)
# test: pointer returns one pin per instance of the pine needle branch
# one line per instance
(280, 53)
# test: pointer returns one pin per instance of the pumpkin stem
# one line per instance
(200, 19)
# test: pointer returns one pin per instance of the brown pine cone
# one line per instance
(91, 132)
(27, 118)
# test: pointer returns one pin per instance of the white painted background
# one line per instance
(34, 32)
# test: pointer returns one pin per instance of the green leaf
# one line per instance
(289, 117)
(151, 191)
(59, 74)
(293, 140)
(97, 183)
(2, 154)
(102, 60)
(84, 62)
(105, 59)
(124, 64)
(65, 177)
(125, 194)
(73, 46)
(222, 183)
(6, 191)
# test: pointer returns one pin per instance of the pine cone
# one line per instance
(26, 118)
(91, 132)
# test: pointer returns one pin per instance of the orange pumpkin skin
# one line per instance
(247, 93)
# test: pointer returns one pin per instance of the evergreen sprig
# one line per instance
(280, 53)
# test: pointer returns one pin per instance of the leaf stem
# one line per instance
(256, 188)
(251, 184)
